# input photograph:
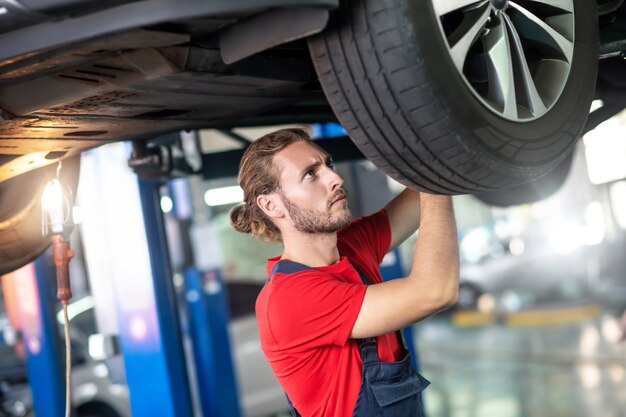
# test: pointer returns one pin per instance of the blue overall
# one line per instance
(388, 389)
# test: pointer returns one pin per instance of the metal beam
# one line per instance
(130, 16)
(226, 164)
(235, 136)
(251, 36)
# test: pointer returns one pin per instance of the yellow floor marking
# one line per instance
(552, 316)
(539, 317)
(472, 318)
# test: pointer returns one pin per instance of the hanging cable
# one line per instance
(68, 364)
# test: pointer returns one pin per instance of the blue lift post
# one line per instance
(208, 321)
(140, 365)
(42, 342)
(207, 310)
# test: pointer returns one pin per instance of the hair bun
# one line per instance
(239, 219)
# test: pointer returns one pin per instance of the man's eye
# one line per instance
(330, 164)
(309, 174)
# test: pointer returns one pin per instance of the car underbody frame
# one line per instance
(145, 68)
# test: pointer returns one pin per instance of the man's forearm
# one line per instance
(436, 260)
(432, 284)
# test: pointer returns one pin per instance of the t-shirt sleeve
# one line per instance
(313, 309)
(366, 237)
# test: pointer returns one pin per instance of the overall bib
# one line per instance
(388, 389)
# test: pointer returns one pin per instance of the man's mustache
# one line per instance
(339, 194)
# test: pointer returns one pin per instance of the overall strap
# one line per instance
(288, 267)
(369, 350)
(367, 347)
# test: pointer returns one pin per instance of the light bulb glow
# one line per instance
(53, 205)
(166, 204)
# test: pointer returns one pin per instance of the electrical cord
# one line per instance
(54, 202)
(68, 364)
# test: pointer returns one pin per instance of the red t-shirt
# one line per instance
(305, 319)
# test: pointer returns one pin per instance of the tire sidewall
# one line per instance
(533, 191)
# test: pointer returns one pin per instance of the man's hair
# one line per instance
(258, 175)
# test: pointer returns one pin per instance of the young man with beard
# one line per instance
(328, 324)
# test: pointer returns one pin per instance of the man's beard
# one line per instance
(317, 221)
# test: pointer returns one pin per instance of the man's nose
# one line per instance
(334, 179)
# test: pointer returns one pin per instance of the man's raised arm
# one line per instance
(432, 284)
(403, 213)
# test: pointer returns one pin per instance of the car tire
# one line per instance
(530, 192)
(21, 236)
(387, 71)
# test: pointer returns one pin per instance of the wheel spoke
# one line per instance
(523, 76)
(470, 30)
(500, 69)
(567, 5)
(443, 7)
(566, 46)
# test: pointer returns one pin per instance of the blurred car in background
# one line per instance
(260, 393)
(554, 270)
(93, 392)
(538, 278)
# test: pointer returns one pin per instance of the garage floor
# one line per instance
(575, 369)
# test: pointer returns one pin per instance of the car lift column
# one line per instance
(206, 301)
(165, 301)
(127, 239)
(30, 297)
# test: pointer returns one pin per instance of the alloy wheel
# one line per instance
(515, 56)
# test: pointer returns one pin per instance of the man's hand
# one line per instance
(432, 284)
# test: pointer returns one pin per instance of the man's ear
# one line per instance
(270, 205)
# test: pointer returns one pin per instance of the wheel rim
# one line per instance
(514, 55)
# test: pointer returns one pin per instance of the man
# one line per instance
(330, 338)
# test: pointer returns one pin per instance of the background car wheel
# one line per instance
(21, 238)
(96, 409)
(530, 192)
(460, 96)
(468, 296)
